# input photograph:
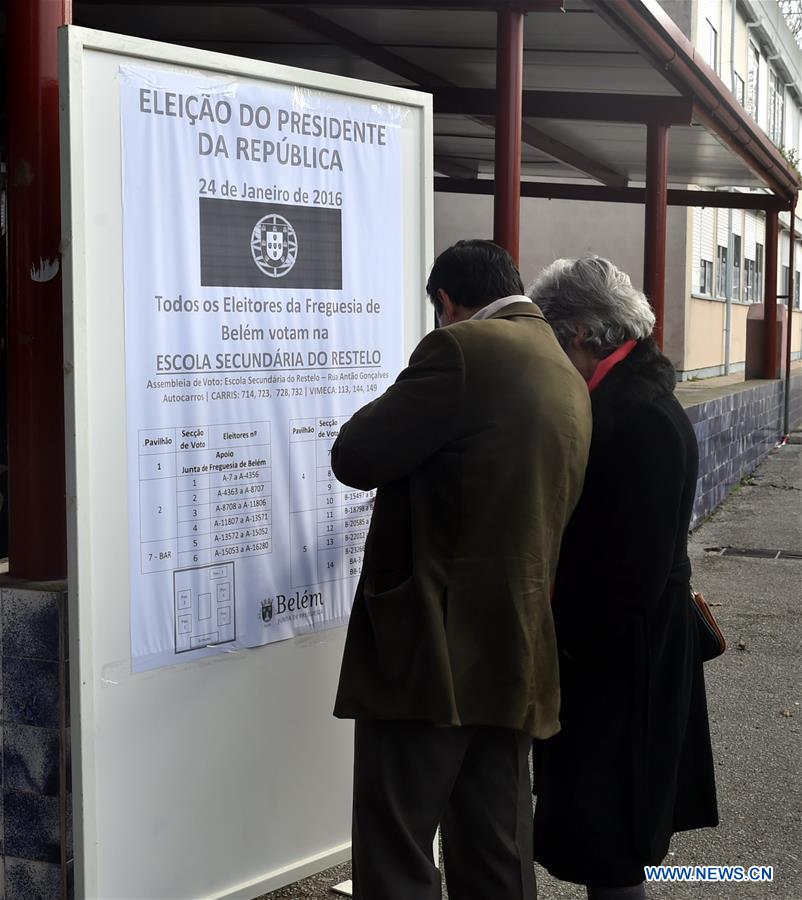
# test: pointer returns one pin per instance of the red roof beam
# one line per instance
(526, 6)
(556, 191)
(597, 107)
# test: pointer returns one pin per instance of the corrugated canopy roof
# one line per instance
(587, 57)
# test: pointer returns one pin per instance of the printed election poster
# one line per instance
(263, 262)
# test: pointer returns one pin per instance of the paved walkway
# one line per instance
(754, 695)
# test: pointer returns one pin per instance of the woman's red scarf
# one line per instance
(609, 363)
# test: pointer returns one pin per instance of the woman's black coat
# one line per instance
(633, 762)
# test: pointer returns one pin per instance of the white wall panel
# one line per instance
(708, 250)
(750, 233)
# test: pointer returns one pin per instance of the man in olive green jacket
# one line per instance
(478, 452)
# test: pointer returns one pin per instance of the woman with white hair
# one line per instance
(632, 763)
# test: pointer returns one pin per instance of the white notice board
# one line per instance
(245, 252)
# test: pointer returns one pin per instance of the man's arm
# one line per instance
(393, 435)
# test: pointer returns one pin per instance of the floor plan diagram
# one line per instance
(204, 606)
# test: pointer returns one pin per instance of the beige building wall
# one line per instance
(738, 344)
(796, 333)
(551, 229)
(704, 337)
(706, 320)
(705, 334)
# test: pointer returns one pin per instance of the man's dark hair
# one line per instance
(473, 274)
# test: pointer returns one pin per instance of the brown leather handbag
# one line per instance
(711, 639)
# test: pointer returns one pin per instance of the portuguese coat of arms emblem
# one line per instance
(274, 245)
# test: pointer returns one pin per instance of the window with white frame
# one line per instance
(736, 267)
(721, 273)
(704, 250)
(710, 45)
(706, 276)
(758, 272)
(753, 81)
(738, 87)
(749, 281)
(776, 107)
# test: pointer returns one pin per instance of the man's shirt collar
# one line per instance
(486, 311)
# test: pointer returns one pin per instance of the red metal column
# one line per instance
(790, 322)
(770, 295)
(37, 507)
(654, 239)
(509, 96)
